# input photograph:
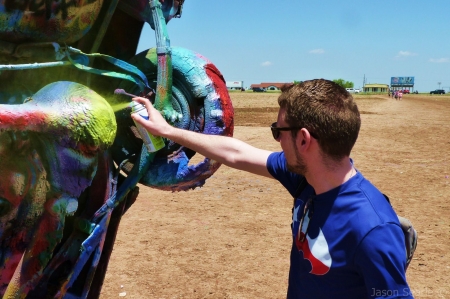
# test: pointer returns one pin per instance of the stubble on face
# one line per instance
(299, 166)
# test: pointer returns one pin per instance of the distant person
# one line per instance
(346, 238)
(400, 95)
(396, 94)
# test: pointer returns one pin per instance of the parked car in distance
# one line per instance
(258, 89)
(437, 91)
(352, 90)
(405, 91)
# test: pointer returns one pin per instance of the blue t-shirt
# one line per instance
(353, 246)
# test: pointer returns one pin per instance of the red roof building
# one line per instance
(271, 86)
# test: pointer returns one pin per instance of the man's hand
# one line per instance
(156, 124)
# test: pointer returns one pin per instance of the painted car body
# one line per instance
(66, 139)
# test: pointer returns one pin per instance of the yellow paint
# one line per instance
(119, 106)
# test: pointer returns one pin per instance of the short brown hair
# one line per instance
(325, 109)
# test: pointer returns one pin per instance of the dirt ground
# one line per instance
(231, 238)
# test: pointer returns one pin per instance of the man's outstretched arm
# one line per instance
(227, 150)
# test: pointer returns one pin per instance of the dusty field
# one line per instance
(231, 238)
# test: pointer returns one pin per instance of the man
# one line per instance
(347, 240)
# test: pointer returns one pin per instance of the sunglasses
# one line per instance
(276, 130)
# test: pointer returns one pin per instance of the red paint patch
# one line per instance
(20, 120)
(225, 100)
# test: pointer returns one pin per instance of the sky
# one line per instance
(259, 41)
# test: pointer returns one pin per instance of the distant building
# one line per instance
(376, 87)
(270, 86)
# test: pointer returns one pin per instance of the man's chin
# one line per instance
(298, 169)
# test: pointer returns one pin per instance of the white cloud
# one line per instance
(440, 60)
(266, 63)
(405, 54)
(317, 51)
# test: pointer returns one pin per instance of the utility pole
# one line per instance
(439, 83)
(364, 81)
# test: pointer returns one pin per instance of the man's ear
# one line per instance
(303, 138)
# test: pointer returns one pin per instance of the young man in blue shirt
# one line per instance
(347, 240)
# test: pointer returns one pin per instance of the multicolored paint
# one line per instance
(204, 81)
(59, 133)
(142, 9)
(65, 137)
(47, 21)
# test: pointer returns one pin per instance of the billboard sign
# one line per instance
(402, 81)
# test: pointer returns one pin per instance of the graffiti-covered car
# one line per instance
(70, 154)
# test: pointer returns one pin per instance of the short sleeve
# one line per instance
(276, 165)
(381, 259)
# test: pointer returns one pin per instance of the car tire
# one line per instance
(199, 94)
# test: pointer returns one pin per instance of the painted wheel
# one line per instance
(199, 93)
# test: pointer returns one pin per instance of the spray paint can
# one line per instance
(152, 143)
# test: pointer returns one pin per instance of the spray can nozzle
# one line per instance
(121, 91)
(152, 143)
